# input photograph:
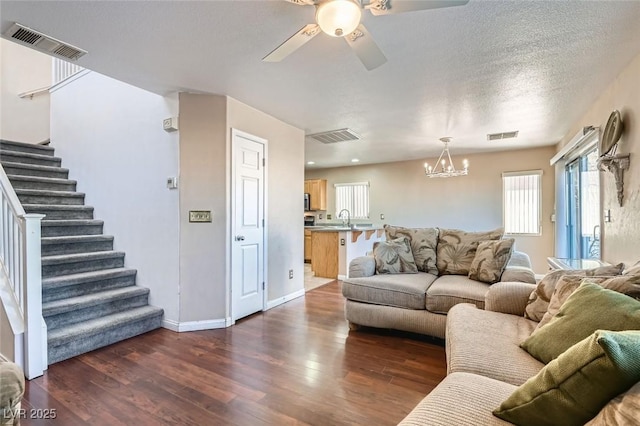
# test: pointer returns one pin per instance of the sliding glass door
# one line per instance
(583, 206)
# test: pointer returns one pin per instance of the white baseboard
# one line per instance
(342, 277)
(280, 300)
(196, 325)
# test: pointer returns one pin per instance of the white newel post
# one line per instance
(35, 328)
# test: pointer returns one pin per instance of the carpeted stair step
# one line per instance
(76, 244)
(76, 339)
(33, 170)
(54, 266)
(39, 196)
(44, 183)
(60, 212)
(58, 228)
(26, 147)
(28, 158)
(69, 311)
(56, 288)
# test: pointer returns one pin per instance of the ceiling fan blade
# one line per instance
(388, 7)
(293, 43)
(367, 50)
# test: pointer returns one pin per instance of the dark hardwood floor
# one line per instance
(295, 364)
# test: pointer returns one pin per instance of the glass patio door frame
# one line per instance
(582, 243)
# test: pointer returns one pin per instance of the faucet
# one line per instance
(342, 217)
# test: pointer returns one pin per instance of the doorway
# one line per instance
(248, 195)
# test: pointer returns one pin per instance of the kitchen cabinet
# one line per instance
(317, 190)
(307, 245)
(324, 262)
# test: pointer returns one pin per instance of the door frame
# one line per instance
(230, 218)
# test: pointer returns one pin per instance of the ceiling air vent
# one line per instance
(38, 41)
(504, 135)
(335, 136)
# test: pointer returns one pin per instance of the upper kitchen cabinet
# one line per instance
(317, 190)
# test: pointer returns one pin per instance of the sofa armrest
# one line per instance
(519, 269)
(508, 297)
(363, 266)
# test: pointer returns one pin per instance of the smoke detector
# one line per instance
(42, 42)
(334, 136)
(503, 135)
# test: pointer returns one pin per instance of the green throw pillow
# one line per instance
(574, 387)
(588, 309)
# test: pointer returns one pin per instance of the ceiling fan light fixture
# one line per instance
(338, 18)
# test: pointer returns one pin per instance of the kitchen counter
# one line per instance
(334, 246)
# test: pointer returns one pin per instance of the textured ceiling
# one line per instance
(489, 66)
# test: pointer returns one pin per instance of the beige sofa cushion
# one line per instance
(461, 399)
(423, 245)
(487, 343)
(457, 248)
(403, 290)
(540, 297)
(449, 290)
(625, 284)
(490, 260)
(394, 257)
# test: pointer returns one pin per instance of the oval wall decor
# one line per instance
(611, 134)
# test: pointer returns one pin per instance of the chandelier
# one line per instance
(442, 169)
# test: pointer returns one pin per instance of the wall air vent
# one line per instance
(335, 136)
(44, 43)
(500, 136)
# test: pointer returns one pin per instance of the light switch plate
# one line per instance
(199, 215)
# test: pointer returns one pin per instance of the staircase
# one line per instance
(90, 299)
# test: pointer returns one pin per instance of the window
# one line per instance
(353, 197)
(521, 204)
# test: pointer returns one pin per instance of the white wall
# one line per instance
(23, 70)
(620, 237)
(406, 197)
(109, 134)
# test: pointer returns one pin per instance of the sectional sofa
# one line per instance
(485, 365)
(418, 300)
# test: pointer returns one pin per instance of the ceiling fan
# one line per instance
(341, 18)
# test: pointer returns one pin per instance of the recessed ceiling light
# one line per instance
(311, 163)
(354, 160)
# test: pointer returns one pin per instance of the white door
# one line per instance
(247, 224)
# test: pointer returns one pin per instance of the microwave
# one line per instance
(307, 202)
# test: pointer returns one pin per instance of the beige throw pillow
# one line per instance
(423, 243)
(457, 249)
(625, 284)
(539, 299)
(394, 257)
(490, 260)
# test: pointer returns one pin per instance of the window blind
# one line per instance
(353, 197)
(522, 202)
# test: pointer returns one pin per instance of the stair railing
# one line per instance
(21, 279)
